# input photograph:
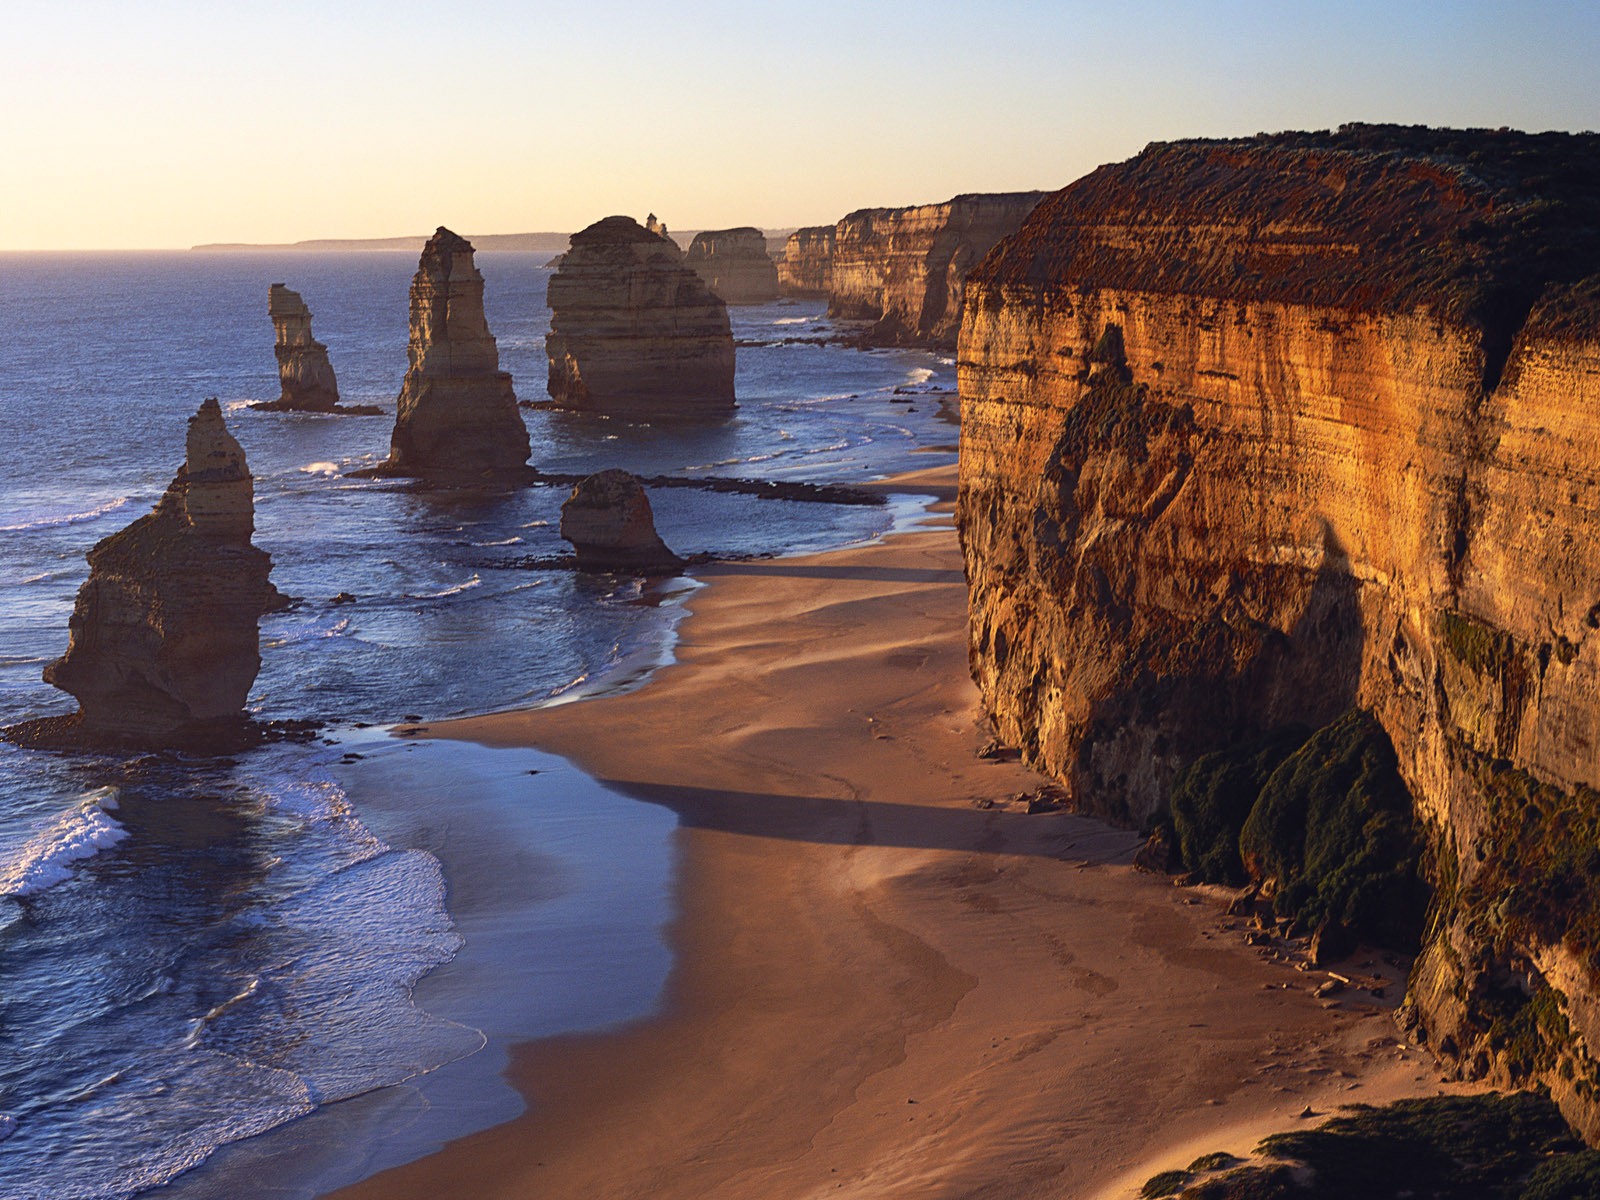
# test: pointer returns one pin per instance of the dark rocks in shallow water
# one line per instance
(609, 523)
(164, 632)
(633, 330)
(457, 419)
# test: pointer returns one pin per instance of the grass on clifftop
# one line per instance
(1491, 1147)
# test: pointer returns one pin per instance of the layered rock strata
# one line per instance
(457, 419)
(609, 523)
(734, 264)
(304, 373)
(806, 268)
(1254, 431)
(905, 269)
(164, 630)
(635, 331)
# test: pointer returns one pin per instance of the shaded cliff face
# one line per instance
(806, 268)
(1256, 431)
(304, 372)
(906, 268)
(633, 330)
(164, 629)
(457, 417)
(734, 264)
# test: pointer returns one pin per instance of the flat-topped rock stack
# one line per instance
(164, 635)
(634, 331)
(735, 264)
(457, 418)
(806, 268)
(609, 523)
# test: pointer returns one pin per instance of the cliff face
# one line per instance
(457, 417)
(304, 372)
(806, 268)
(1256, 431)
(633, 330)
(905, 268)
(164, 629)
(734, 264)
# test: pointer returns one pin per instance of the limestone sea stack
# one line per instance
(609, 523)
(905, 269)
(457, 419)
(806, 268)
(634, 331)
(1297, 432)
(164, 639)
(304, 373)
(735, 265)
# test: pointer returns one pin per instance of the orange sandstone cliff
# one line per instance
(905, 269)
(734, 264)
(806, 268)
(1258, 431)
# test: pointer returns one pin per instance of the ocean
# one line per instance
(274, 973)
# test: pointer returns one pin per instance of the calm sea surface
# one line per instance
(336, 941)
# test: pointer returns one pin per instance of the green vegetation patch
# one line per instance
(1167, 1183)
(1491, 1147)
(1484, 649)
(1213, 797)
(1333, 829)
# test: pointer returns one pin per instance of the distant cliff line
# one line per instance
(540, 243)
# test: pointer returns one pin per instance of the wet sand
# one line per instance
(890, 979)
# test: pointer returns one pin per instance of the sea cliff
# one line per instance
(1255, 432)
(905, 269)
(806, 268)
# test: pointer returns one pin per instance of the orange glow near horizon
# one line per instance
(172, 124)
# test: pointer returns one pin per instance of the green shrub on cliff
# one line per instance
(1213, 797)
(1334, 831)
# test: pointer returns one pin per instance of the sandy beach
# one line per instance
(890, 979)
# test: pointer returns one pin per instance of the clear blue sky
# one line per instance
(168, 123)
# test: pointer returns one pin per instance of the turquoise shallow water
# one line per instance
(193, 952)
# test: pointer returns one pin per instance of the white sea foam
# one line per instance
(58, 519)
(510, 541)
(46, 859)
(321, 468)
(920, 374)
(456, 589)
(536, 524)
(794, 320)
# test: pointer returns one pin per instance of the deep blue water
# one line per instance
(194, 952)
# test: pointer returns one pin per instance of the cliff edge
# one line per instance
(1260, 431)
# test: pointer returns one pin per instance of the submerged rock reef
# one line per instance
(905, 269)
(457, 419)
(734, 264)
(1259, 432)
(164, 638)
(607, 519)
(634, 331)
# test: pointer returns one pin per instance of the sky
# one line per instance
(151, 124)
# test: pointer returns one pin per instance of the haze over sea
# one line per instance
(196, 951)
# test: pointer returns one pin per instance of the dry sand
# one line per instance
(882, 988)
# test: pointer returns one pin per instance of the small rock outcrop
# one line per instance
(304, 372)
(609, 523)
(735, 265)
(457, 418)
(806, 268)
(164, 631)
(635, 331)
